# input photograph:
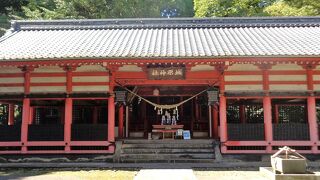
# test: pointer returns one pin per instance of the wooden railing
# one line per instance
(89, 132)
(245, 132)
(10, 133)
(291, 131)
(50, 132)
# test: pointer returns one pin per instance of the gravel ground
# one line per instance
(54, 174)
(81, 174)
(234, 173)
(229, 175)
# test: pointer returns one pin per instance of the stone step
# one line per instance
(166, 150)
(168, 141)
(168, 156)
(174, 146)
(180, 160)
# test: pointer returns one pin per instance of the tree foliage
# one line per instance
(58, 9)
(227, 8)
(294, 8)
(7, 6)
(75, 9)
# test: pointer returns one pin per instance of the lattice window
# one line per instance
(37, 115)
(233, 115)
(254, 113)
(76, 114)
(46, 115)
(292, 113)
(4, 114)
(318, 111)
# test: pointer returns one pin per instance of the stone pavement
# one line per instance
(167, 174)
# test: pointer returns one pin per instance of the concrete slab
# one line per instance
(168, 174)
(269, 173)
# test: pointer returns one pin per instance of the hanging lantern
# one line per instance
(213, 95)
(120, 96)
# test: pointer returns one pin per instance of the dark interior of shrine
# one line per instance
(193, 114)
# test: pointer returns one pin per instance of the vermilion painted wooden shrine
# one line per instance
(57, 82)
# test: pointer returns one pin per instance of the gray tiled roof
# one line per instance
(162, 38)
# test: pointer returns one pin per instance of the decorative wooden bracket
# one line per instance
(27, 68)
(264, 66)
(69, 68)
(221, 67)
(308, 66)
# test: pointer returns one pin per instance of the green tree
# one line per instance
(7, 6)
(227, 8)
(61, 9)
(7, 9)
(294, 8)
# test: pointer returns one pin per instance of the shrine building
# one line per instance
(76, 86)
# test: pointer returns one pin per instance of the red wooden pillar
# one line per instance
(222, 109)
(223, 123)
(120, 129)
(111, 114)
(313, 126)
(25, 109)
(312, 113)
(215, 122)
(111, 106)
(267, 108)
(242, 112)
(267, 114)
(11, 114)
(67, 123)
(24, 124)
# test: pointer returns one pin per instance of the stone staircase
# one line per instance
(166, 151)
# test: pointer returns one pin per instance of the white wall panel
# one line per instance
(12, 80)
(10, 70)
(316, 77)
(11, 89)
(202, 68)
(43, 69)
(286, 67)
(48, 79)
(243, 78)
(91, 68)
(90, 79)
(287, 78)
(243, 67)
(288, 87)
(90, 88)
(130, 68)
(243, 87)
(45, 89)
(316, 87)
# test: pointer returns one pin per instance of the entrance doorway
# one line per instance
(194, 114)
